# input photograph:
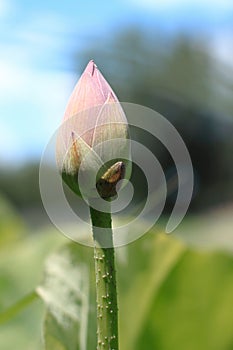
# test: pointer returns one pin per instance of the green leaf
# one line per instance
(68, 293)
(174, 298)
(23, 332)
(145, 266)
(21, 263)
(13, 310)
(194, 307)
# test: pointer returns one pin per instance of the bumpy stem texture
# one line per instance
(106, 294)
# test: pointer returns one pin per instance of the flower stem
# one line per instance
(106, 294)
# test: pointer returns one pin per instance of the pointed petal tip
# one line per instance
(90, 68)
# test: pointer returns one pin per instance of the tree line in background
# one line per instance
(177, 77)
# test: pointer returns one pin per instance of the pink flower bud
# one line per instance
(93, 138)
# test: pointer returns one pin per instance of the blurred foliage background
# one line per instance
(175, 292)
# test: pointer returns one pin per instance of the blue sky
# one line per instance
(36, 44)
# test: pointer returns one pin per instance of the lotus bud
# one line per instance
(93, 140)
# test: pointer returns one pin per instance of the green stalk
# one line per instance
(106, 294)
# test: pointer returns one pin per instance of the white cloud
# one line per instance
(32, 95)
(4, 7)
(45, 30)
(32, 103)
(13, 80)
